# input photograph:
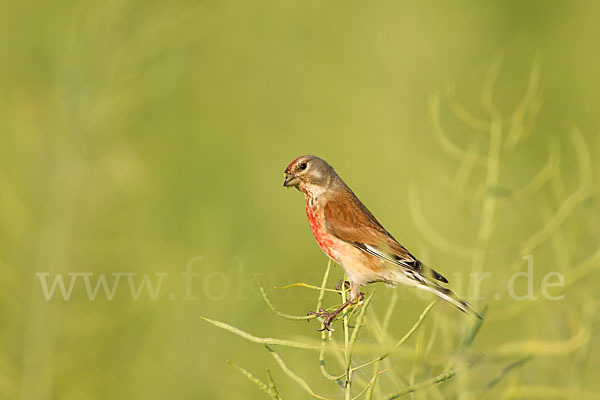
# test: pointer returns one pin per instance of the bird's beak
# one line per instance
(290, 180)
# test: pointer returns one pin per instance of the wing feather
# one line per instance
(349, 220)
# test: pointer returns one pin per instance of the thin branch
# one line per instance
(359, 321)
(306, 285)
(256, 339)
(272, 386)
(465, 169)
(462, 113)
(401, 341)
(293, 376)
(389, 311)
(556, 220)
(547, 392)
(416, 325)
(422, 385)
(573, 276)
(527, 108)
(584, 161)
(276, 311)
(488, 210)
(324, 333)
(541, 178)
(506, 370)
(368, 389)
(541, 347)
(445, 143)
(428, 232)
(261, 385)
(347, 355)
(488, 88)
(470, 337)
(323, 284)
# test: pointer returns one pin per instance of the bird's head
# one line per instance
(309, 173)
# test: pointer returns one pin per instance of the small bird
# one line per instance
(353, 238)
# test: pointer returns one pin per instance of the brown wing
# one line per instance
(349, 220)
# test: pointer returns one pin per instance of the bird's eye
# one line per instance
(303, 166)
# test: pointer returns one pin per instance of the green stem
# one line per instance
(401, 341)
(276, 311)
(347, 355)
(293, 376)
(429, 382)
(324, 371)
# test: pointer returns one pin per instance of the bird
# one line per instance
(352, 237)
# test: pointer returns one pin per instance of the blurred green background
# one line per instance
(138, 135)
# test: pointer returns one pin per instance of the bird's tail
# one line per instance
(425, 278)
(447, 295)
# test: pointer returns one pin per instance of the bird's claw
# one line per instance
(361, 297)
(327, 318)
(342, 282)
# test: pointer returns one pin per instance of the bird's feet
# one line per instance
(327, 316)
(361, 298)
(342, 282)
